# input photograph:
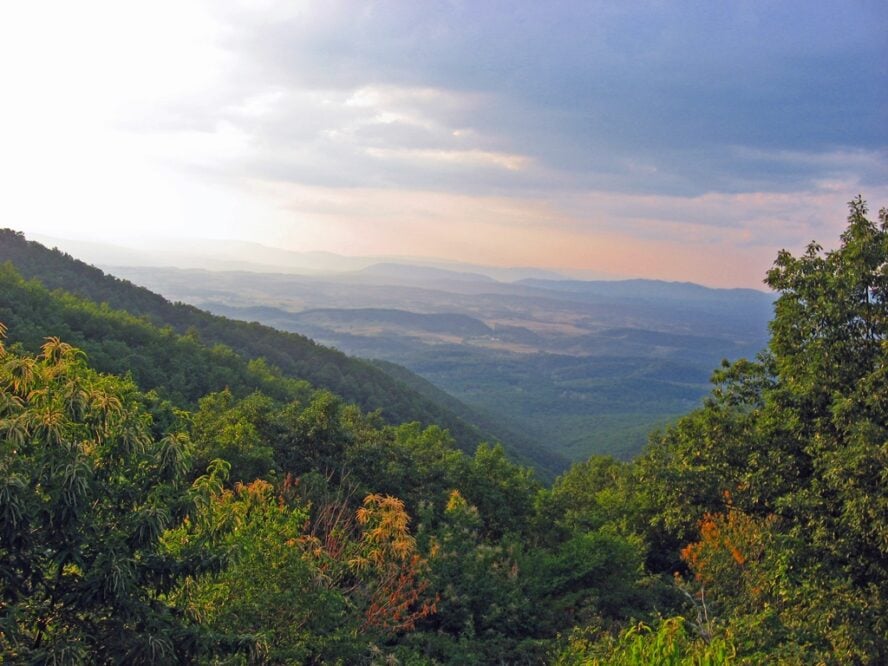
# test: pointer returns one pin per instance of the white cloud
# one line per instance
(462, 158)
(198, 115)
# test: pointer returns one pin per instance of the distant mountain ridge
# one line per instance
(421, 273)
(583, 366)
(232, 255)
(295, 355)
(643, 288)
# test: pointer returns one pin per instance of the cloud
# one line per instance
(668, 98)
(680, 125)
(458, 158)
(725, 239)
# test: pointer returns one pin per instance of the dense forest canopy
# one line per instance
(274, 522)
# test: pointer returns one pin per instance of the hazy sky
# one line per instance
(660, 139)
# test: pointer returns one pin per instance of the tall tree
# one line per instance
(800, 435)
(85, 493)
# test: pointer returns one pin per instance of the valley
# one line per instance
(453, 333)
(584, 367)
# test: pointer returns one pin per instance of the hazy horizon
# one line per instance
(215, 255)
(674, 141)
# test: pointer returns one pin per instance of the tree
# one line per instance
(230, 430)
(830, 348)
(268, 589)
(802, 433)
(85, 494)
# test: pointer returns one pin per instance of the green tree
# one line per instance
(503, 491)
(236, 431)
(800, 434)
(670, 641)
(85, 493)
(830, 348)
(269, 589)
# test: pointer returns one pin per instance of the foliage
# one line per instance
(308, 590)
(80, 320)
(85, 493)
(387, 559)
(269, 589)
(668, 643)
(233, 431)
(312, 532)
(179, 367)
(785, 465)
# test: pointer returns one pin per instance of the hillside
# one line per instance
(304, 531)
(585, 367)
(294, 355)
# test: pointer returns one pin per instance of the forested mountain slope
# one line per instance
(249, 529)
(294, 355)
(585, 367)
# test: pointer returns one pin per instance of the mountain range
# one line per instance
(557, 369)
(583, 366)
(109, 317)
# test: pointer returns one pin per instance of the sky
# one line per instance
(671, 140)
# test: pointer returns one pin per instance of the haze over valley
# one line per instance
(584, 366)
